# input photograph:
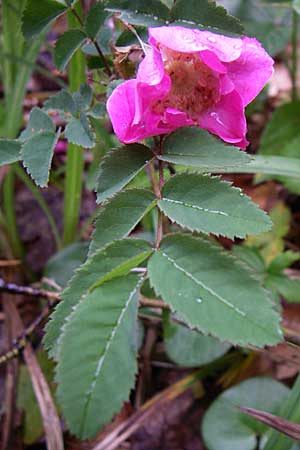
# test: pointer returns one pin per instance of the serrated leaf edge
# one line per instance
(108, 344)
(107, 202)
(52, 348)
(205, 332)
(224, 182)
(55, 140)
(60, 67)
(132, 175)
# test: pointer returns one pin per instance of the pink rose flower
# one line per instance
(191, 77)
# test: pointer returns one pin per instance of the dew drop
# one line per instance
(216, 117)
(211, 39)
(237, 46)
(199, 300)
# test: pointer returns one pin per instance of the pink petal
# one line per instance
(212, 61)
(121, 108)
(251, 71)
(227, 120)
(129, 104)
(191, 40)
(151, 69)
(176, 119)
(152, 83)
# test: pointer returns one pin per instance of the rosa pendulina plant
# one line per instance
(191, 77)
(191, 83)
(187, 78)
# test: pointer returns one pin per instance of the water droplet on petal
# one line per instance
(217, 118)
(237, 46)
(212, 39)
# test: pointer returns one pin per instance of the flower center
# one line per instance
(194, 87)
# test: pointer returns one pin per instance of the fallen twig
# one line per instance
(133, 423)
(19, 343)
(51, 422)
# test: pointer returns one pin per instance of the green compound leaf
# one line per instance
(38, 14)
(296, 6)
(61, 266)
(205, 204)
(202, 14)
(39, 122)
(38, 141)
(235, 430)
(62, 101)
(282, 129)
(283, 260)
(66, 46)
(83, 97)
(270, 165)
(194, 147)
(115, 260)
(9, 151)
(37, 154)
(281, 137)
(78, 132)
(119, 167)
(211, 291)
(270, 25)
(205, 14)
(288, 288)
(95, 19)
(189, 348)
(97, 358)
(120, 215)
(150, 13)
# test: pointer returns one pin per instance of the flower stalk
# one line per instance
(159, 232)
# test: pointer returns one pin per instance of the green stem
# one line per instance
(159, 232)
(10, 215)
(41, 201)
(75, 162)
(294, 68)
(14, 80)
(102, 57)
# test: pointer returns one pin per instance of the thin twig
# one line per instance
(74, 12)
(19, 343)
(12, 288)
(133, 423)
(99, 51)
(102, 57)
(10, 381)
(51, 421)
(154, 303)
